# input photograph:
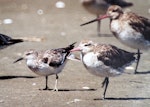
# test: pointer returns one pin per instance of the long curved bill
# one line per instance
(18, 60)
(97, 19)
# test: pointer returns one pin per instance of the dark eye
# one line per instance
(115, 10)
(28, 53)
(87, 44)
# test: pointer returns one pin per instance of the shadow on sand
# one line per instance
(101, 35)
(144, 72)
(105, 35)
(132, 98)
(66, 90)
(138, 73)
(12, 77)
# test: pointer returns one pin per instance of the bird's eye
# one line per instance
(28, 53)
(115, 10)
(87, 44)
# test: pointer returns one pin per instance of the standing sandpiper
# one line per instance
(98, 7)
(104, 60)
(49, 62)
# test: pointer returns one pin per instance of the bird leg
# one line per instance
(105, 83)
(56, 82)
(138, 59)
(46, 87)
(98, 26)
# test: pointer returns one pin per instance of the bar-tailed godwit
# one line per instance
(98, 7)
(104, 60)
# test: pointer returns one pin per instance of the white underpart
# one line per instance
(43, 69)
(129, 36)
(98, 68)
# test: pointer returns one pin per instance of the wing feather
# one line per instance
(114, 57)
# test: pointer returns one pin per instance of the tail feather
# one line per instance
(64, 52)
(13, 41)
(71, 46)
(67, 50)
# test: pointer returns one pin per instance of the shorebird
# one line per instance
(129, 28)
(7, 41)
(104, 60)
(49, 62)
(98, 7)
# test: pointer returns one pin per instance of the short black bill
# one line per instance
(18, 60)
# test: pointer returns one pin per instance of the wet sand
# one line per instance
(58, 28)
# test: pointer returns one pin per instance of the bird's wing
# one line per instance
(140, 24)
(56, 57)
(113, 56)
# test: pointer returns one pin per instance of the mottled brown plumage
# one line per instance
(99, 7)
(56, 57)
(104, 60)
(129, 28)
(113, 56)
(140, 24)
(49, 62)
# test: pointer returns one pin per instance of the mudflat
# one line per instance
(45, 25)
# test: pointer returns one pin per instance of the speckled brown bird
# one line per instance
(98, 7)
(49, 62)
(104, 60)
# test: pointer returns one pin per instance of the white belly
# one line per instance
(44, 69)
(98, 68)
(126, 35)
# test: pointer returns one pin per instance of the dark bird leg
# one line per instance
(98, 26)
(56, 82)
(46, 88)
(138, 59)
(105, 83)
